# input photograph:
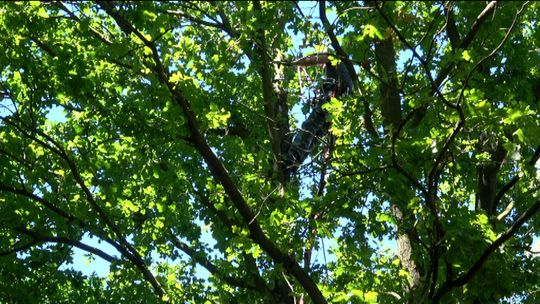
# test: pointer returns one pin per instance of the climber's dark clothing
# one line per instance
(338, 82)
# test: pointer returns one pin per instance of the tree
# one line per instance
(158, 126)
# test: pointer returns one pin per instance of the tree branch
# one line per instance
(508, 186)
(477, 24)
(343, 174)
(44, 46)
(316, 214)
(69, 217)
(451, 28)
(467, 40)
(385, 56)
(395, 163)
(43, 202)
(98, 34)
(55, 239)
(495, 50)
(229, 223)
(193, 19)
(19, 248)
(269, 96)
(207, 264)
(466, 277)
(443, 73)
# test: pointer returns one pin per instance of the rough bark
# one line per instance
(390, 99)
(487, 179)
(391, 112)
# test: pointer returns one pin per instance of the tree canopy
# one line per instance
(162, 129)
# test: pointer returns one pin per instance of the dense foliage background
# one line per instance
(160, 128)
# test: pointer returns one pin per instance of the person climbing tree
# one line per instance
(337, 82)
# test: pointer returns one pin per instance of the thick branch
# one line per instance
(269, 95)
(234, 130)
(495, 50)
(478, 24)
(498, 156)
(44, 46)
(256, 233)
(490, 7)
(427, 71)
(385, 56)
(443, 73)
(451, 28)
(390, 99)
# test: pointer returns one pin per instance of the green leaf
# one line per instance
(466, 56)
(372, 32)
